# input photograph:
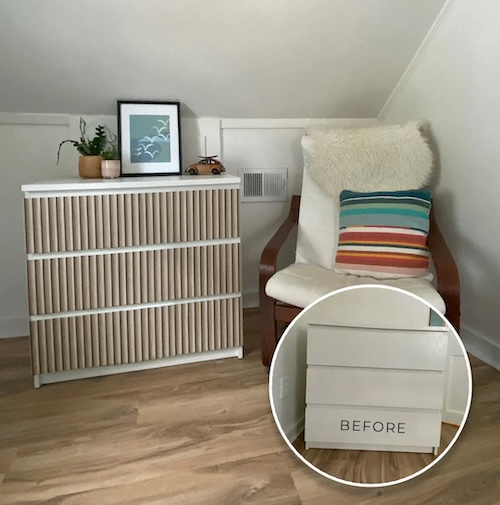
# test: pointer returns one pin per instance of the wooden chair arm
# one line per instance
(448, 281)
(268, 260)
(270, 253)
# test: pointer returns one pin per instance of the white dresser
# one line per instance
(375, 389)
(132, 273)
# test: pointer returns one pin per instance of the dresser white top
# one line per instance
(130, 183)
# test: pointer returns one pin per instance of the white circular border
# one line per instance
(381, 484)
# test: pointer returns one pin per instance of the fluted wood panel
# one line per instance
(116, 286)
(133, 336)
(75, 223)
(130, 278)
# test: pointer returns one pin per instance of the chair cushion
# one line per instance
(301, 284)
(384, 234)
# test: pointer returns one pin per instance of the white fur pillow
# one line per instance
(378, 158)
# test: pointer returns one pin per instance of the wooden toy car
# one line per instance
(207, 165)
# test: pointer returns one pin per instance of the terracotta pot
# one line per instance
(110, 169)
(89, 167)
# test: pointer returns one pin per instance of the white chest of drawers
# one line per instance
(374, 389)
(132, 273)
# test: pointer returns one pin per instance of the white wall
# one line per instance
(28, 147)
(453, 81)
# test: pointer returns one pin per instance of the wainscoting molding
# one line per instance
(13, 118)
(200, 136)
(298, 123)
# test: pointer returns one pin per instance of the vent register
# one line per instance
(264, 184)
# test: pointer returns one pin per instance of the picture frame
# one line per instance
(149, 137)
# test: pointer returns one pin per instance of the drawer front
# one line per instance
(75, 223)
(377, 348)
(112, 280)
(374, 387)
(372, 427)
(133, 336)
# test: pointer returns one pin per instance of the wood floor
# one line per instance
(372, 466)
(200, 434)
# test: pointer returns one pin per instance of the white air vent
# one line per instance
(264, 184)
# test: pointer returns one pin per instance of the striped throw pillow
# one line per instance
(384, 234)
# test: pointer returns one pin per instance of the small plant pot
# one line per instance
(89, 167)
(110, 169)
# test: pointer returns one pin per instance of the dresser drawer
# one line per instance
(377, 348)
(374, 387)
(365, 427)
(104, 221)
(96, 281)
(134, 336)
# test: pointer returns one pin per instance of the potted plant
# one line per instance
(91, 151)
(110, 164)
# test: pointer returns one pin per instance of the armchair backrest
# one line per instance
(381, 158)
(318, 225)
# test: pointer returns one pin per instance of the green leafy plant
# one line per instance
(111, 153)
(103, 144)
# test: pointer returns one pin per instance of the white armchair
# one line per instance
(284, 293)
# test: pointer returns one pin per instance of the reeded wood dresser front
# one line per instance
(132, 273)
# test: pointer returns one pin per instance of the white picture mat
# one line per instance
(171, 110)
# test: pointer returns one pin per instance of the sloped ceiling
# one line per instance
(222, 58)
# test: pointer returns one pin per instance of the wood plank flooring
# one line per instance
(200, 434)
(370, 467)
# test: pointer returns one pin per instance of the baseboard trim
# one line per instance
(11, 327)
(452, 417)
(250, 300)
(481, 347)
(293, 432)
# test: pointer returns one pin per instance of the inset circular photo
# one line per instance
(370, 386)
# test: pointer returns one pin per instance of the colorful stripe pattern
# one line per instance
(384, 234)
